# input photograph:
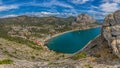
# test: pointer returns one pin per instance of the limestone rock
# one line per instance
(83, 19)
(111, 31)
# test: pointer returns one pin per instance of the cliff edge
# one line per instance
(111, 31)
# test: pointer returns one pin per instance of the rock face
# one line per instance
(83, 20)
(111, 31)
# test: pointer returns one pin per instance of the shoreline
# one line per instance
(55, 35)
(88, 44)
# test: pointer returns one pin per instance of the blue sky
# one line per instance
(96, 8)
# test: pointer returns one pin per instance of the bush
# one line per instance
(33, 57)
(88, 66)
(6, 61)
(79, 56)
(97, 55)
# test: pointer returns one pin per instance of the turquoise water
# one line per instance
(71, 42)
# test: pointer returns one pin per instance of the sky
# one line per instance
(63, 8)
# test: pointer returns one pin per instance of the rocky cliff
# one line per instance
(111, 31)
(83, 20)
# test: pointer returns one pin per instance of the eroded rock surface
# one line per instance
(83, 20)
(111, 31)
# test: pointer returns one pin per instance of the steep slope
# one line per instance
(84, 20)
(111, 31)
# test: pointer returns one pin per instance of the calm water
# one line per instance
(71, 42)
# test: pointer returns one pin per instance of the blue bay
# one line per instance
(71, 42)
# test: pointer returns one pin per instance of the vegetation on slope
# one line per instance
(6, 61)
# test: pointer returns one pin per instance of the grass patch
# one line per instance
(79, 56)
(6, 61)
(88, 66)
(51, 63)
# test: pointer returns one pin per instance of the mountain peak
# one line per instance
(83, 19)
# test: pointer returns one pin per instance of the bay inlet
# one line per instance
(73, 41)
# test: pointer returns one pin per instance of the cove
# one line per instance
(72, 42)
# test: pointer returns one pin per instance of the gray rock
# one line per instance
(111, 31)
(83, 20)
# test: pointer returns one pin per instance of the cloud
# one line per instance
(109, 7)
(97, 14)
(79, 1)
(46, 14)
(111, 1)
(8, 7)
(51, 7)
(11, 15)
(117, 1)
(51, 3)
(57, 3)
(49, 13)
(40, 14)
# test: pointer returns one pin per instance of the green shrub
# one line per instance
(33, 57)
(88, 66)
(6, 61)
(79, 56)
(97, 55)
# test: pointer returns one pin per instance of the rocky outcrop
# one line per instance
(83, 20)
(111, 31)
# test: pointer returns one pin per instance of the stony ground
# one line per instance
(99, 56)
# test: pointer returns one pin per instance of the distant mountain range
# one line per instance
(46, 14)
(31, 27)
(42, 14)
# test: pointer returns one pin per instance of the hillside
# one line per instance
(22, 38)
(36, 28)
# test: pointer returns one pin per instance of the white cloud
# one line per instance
(58, 14)
(109, 7)
(112, 1)
(49, 13)
(40, 14)
(11, 15)
(46, 14)
(57, 3)
(94, 7)
(51, 3)
(97, 14)
(79, 1)
(8, 7)
(117, 1)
